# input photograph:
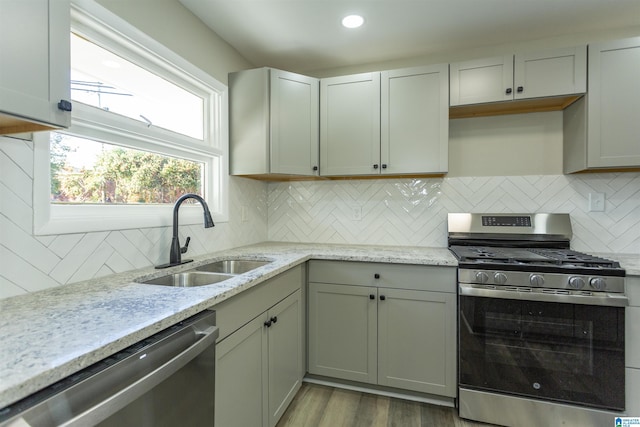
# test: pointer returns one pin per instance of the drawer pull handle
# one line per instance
(376, 276)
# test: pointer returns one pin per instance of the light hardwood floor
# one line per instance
(321, 406)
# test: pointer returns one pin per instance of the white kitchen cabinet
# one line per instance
(389, 123)
(384, 324)
(416, 330)
(350, 125)
(601, 130)
(259, 359)
(549, 73)
(415, 120)
(273, 123)
(343, 332)
(34, 65)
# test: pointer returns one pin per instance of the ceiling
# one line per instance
(301, 35)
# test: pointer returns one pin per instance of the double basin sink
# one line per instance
(207, 274)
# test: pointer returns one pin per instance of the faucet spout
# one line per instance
(175, 254)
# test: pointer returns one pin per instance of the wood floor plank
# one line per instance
(307, 407)
(433, 415)
(322, 406)
(372, 411)
(341, 409)
(403, 413)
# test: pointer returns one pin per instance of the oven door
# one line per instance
(562, 352)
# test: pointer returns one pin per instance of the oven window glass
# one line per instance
(555, 351)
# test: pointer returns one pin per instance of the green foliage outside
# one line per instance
(122, 176)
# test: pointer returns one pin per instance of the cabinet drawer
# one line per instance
(399, 276)
(235, 312)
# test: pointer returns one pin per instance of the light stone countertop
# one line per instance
(48, 335)
(630, 262)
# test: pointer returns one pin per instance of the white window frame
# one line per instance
(97, 24)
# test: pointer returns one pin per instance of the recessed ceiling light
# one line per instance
(352, 21)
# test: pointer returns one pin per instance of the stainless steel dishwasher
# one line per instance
(167, 379)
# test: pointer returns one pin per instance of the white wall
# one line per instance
(529, 144)
(174, 26)
(29, 263)
(495, 151)
(414, 211)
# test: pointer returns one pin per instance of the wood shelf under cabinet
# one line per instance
(283, 178)
(513, 107)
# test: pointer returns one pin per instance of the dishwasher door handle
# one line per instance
(123, 397)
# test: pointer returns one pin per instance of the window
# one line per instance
(146, 128)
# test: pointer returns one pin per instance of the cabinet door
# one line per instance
(294, 123)
(481, 80)
(551, 73)
(34, 69)
(285, 355)
(342, 332)
(350, 125)
(416, 341)
(241, 376)
(415, 120)
(614, 101)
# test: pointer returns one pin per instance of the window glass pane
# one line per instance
(86, 171)
(104, 80)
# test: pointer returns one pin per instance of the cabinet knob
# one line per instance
(372, 296)
(376, 276)
(384, 166)
(382, 298)
(274, 319)
(315, 168)
(509, 90)
(520, 89)
(268, 323)
(375, 166)
(64, 105)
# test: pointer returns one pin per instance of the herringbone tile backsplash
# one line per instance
(387, 212)
(414, 211)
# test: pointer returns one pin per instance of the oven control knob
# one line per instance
(482, 277)
(536, 280)
(576, 282)
(598, 283)
(500, 278)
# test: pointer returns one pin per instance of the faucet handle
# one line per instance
(183, 250)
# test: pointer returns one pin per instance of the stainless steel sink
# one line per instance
(231, 266)
(189, 279)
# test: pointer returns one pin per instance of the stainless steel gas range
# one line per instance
(541, 327)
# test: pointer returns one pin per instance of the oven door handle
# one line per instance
(602, 298)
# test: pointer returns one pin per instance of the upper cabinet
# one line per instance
(550, 73)
(350, 125)
(34, 65)
(540, 76)
(601, 131)
(481, 80)
(273, 123)
(389, 123)
(415, 120)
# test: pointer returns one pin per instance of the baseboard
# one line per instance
(381, 391)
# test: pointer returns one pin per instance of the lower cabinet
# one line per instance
(383, 327)
(259, 367)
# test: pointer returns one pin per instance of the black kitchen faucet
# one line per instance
(175, 255)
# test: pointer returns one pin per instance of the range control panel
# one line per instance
(506, 221)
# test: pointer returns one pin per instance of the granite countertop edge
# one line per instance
(51, 334)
